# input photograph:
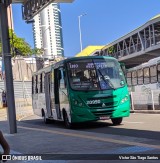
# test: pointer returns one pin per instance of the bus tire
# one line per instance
(66, 121)
(116, 121)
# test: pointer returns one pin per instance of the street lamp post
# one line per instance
(6, 51)
(80, 34)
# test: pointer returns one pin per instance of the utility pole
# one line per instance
(44, 27)
(6, 55)
(80, 33)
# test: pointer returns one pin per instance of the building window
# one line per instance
(153, 73)
(146, 73)
(140, 76)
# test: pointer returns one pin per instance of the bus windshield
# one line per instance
(95, 74)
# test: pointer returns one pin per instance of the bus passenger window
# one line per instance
(52, 80)
(134, 78)
(129, 81)
(43, 75)
(36, 84)
(153, 74)
(40, 82)
(61, 79)
(158, 72)
(140, 76)
(33, 85)
(146, 75)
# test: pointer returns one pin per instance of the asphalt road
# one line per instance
(137, 125)
(138, 134)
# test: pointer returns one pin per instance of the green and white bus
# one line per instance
(81, 89)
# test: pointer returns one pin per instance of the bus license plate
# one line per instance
(104, 118)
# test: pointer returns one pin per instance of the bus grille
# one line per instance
(101, 112)
(107, 105)
(104, 97)
(108, 102)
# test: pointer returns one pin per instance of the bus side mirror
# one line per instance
(123, 67)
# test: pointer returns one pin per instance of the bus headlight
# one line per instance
(77, 103)
(124, 99)
(80, 104)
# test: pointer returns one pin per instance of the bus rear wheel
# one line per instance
(116, 121)
(66, 121)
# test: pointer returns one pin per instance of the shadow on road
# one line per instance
(97, 127)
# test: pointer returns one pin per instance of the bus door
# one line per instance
(56, 92)
(63, 94)
(47, 94)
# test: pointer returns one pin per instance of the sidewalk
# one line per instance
(21, 112)
(146, 111)
(36, 138)
(26, 142)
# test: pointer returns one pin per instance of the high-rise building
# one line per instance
(47, 31)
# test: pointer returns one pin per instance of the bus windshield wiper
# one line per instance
(106, 80)
(109, 82)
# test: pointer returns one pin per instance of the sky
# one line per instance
(104, 22)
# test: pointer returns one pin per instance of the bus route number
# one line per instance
(73, 65)
(94, 102)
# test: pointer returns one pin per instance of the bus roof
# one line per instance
(151, 62)
(45, 69)
(89, 57)
(48, 68)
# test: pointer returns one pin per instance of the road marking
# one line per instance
(93, 137)
(132, 122)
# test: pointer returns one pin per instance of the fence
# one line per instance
(146, 99)
(23, 100)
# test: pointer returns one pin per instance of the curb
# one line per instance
(146, 111)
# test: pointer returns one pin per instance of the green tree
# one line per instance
(111, 49)
(19, 45)
(37, 51)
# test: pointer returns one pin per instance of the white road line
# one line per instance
(132, 122)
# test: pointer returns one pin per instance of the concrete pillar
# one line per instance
(6, 54)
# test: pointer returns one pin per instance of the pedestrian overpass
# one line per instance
(32, 7)
(138, 46)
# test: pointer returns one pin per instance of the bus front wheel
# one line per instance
(66, 121)
(116, 121)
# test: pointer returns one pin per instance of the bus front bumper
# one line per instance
(84, 114)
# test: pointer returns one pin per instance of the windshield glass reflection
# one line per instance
(95, 74)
